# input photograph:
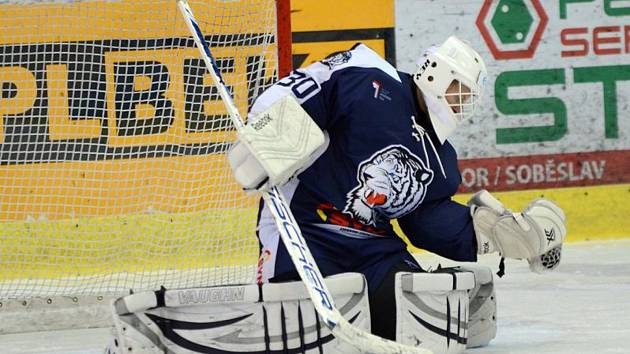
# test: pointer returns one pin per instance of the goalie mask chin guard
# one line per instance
(451, 78)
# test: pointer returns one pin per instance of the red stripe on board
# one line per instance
(545, 171)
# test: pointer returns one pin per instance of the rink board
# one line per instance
(597, 212)
(593, 213)
(553, 119)
(131, 243)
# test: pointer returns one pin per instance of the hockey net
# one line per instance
(112, 144)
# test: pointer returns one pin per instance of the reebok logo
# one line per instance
(551, 236)
(261, 123)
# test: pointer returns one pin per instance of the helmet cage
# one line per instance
(456, 66)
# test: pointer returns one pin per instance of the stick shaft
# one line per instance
(290, 231)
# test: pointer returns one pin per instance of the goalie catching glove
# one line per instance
(535, 234)
(275, 146)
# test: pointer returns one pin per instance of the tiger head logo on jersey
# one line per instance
(392, 183)
(336, 59)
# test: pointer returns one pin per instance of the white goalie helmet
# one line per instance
(451, 78)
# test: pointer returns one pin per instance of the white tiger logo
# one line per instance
(336, 59)
(392, 183)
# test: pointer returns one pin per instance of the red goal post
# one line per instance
(285, 54)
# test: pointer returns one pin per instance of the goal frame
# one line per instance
(87, 311)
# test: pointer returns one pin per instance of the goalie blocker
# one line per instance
(275, 146)
(432, 312)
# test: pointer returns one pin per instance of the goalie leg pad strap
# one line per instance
(432, 309)
(230, 319)
(482, 318)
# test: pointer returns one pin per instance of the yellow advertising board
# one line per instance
(112, 134)
(324, 27)
(74, 148)
(81, 98)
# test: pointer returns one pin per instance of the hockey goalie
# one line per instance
(353, 144)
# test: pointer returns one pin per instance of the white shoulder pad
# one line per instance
(305, 83)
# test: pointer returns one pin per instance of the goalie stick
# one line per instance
(290, 232)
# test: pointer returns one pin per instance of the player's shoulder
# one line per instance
(353, 70)
(354, 62)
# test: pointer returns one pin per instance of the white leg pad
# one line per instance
(482, 319)
(432, 309)
(234, 319)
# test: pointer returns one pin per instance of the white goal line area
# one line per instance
(113, 174)
(74, 306)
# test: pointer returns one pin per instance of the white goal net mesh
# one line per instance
(112, 139)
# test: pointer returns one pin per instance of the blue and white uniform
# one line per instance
(379, 164)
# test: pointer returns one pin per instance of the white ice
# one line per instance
(583, 307)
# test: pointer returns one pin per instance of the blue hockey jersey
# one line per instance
(382, 161)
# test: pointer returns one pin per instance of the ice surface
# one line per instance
(583, 307)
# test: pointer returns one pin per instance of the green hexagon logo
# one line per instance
(512, 29)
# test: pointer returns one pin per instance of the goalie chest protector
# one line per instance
(380, 163)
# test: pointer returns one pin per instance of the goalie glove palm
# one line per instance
(275, 146)
(546, 262)
(534, 232)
